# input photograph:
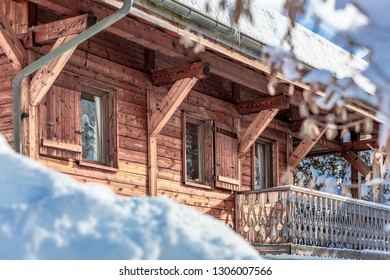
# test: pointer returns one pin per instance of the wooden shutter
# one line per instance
(226, 158)
(60, 123)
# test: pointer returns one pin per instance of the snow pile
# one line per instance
(330, 186)
(270, 27)
(47, 215)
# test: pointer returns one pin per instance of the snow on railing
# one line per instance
(290, 214)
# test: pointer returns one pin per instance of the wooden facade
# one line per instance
(149, 84)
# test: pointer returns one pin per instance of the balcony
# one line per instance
(299, 221)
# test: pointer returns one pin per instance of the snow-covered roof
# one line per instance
(48, 215)
(269, 27)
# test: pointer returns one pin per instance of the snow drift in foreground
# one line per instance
(47, 215)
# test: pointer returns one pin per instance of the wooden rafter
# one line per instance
(360, 145)
(357, 163)
(255, 129)
(169, 104)
(303, 149)
(57, 7)
(198, 70)
(10, 43)
(45, 77)
(281, 102)
(45, 33)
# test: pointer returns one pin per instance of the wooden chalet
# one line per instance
(148, 107)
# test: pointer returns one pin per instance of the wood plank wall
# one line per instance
(109, 60)
(15, 15)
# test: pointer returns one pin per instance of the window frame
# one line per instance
(270, 147)
(102, 139)
(110, 129)
(207, 180)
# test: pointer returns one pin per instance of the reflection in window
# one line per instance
(193, 152)
(262, 161)
(92, 127)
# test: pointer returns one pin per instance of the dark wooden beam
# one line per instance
(199, 70)
(236, 93)
(303, 149)
(57, 7)
(49, 32)
(281, 102)
(357, 163)
(360, 145)
(10, 43)
(296, 126)
(150, 60)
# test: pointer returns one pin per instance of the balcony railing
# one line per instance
(302, 216)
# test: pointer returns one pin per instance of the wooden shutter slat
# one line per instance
(60, 122)
(226, 158)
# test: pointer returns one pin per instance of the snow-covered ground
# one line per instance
(47, 215)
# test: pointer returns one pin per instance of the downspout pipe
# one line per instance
(83, 36)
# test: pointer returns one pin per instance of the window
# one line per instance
(194, 151)
(93, 135)
(197, 151)
(210, 154)
(262, 178)
(79, 123)
(98, 127)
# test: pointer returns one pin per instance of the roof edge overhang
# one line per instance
(245, 49)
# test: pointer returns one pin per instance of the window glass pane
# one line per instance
(261, 166)
(193, 152)
(91, 130)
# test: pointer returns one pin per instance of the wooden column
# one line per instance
(288, 177)
(184, 78)
(355, 186)
(152, 145)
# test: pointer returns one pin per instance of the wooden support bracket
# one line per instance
(303, 149)
(46, 33)
(255, 129)
(281, 102)
(357, 163)
(169, 104)
(11, 45)
(198, 70)
(45, 77)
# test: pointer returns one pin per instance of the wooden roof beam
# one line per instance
(10, 43)
(45, 77)
(198, 70)
(46, 33)
(303, 149)
(360, 145)
(255, 129)
(170, 103)
(57, 7)
(281, 102)
(357, 163)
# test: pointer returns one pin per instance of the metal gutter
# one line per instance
(239, 41)
(85, 35)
